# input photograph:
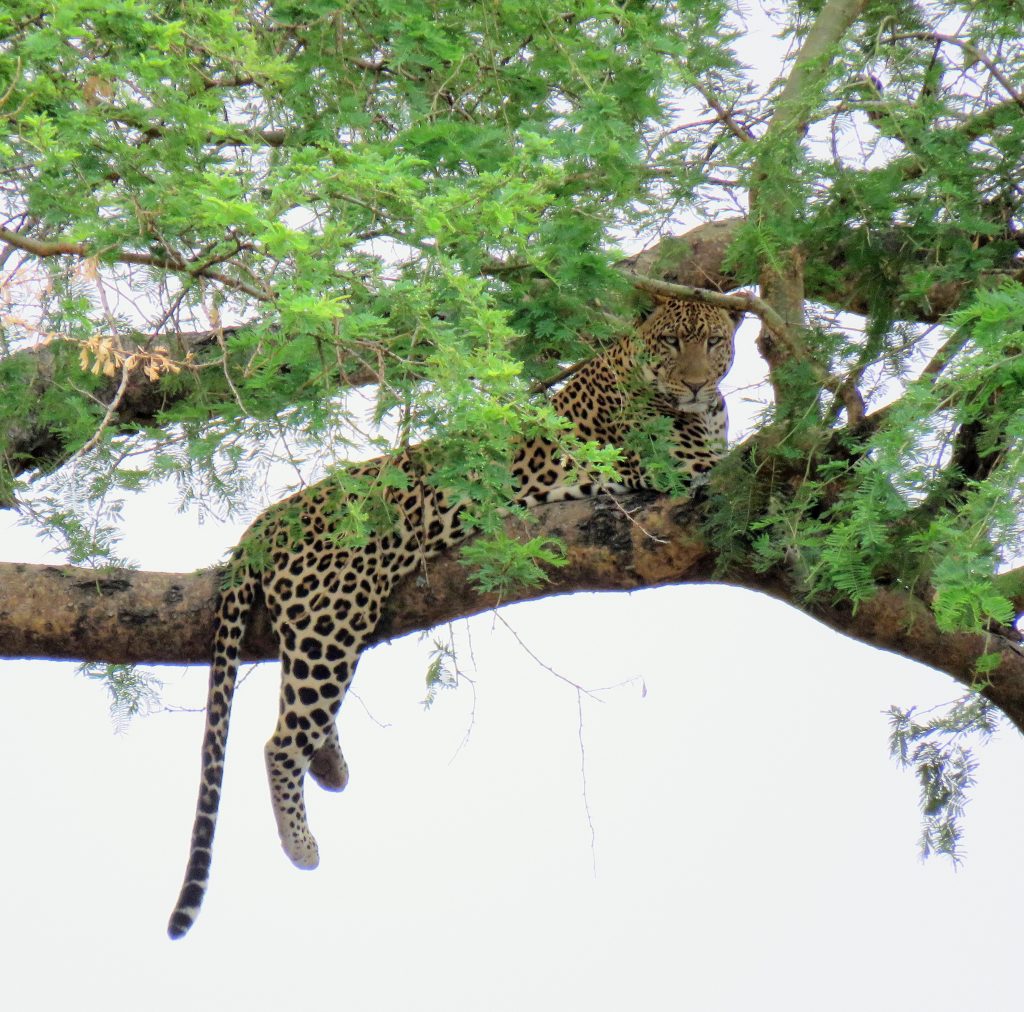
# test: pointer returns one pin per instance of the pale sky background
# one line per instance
(754, 846)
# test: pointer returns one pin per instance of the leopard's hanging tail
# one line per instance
(232, 613)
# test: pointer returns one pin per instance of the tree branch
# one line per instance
(83, 251)
(131, 396)
(972, 55)
(782, 276)
(167, 618)
(698, 258)
(810, 67)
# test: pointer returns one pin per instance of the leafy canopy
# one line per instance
(218, 217)
(362, 192)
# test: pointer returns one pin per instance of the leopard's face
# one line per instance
(687, 349)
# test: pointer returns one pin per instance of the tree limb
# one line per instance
(131, 397)
(782, 277)
(167, 618)
(972, 54)
(82, 251)
(796, 102)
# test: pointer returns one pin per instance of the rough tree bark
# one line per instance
(613, 544)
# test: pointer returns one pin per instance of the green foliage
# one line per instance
(943, 764)
(442, 672)
(933, 497)
(340, 177)
(500, 562)
(652, 443)
(132, 690)
(930, 499)
(938, 495)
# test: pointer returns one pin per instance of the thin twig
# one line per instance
(112, 409)
(972, 51)
(547, 667)
(724, 115)
(583, 777)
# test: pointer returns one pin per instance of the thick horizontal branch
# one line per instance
(698, 259)
(32, 444)
(613, 545)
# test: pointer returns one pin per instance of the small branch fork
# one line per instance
(581, 691)
(112, 409)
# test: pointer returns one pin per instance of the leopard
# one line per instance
(325, 596)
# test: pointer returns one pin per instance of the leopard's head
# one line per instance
(687, 348)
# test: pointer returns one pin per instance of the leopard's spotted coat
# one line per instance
(325, 600)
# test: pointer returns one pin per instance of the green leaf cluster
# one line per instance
(423, 195)
(133, 691)
(944, 765)
(932, 498)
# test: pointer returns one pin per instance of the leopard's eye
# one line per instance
(714, 339)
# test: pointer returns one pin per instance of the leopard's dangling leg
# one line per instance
(286, 773)
(321, 641)
(312, 688)
(328, 767)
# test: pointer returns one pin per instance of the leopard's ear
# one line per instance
(646, 302)
(657, 298)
